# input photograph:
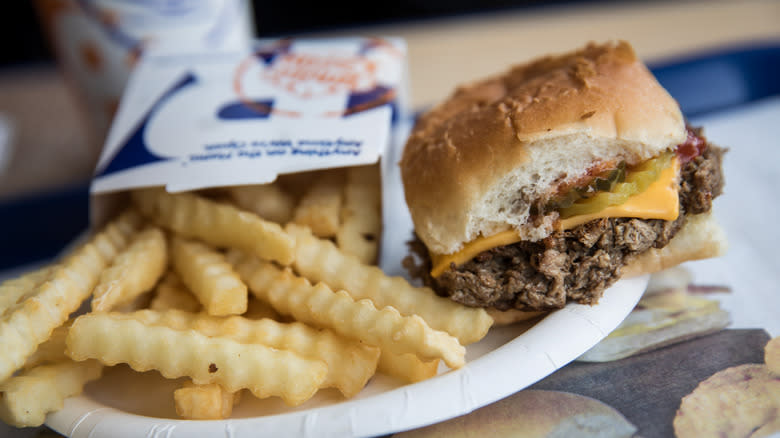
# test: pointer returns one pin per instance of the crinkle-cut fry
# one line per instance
(297, 184)
(117, 234)
(171, 293)
(140, 302)
(407, 367)
(319, 208)
(52, 349)
(320, 261)
(134, 271)
(15, 289)
(361, 222)
(319, 305)
(112, 338)
(25, 399)
(204, 402)
(217, 224)
(268, 201)
(259, 309)
(28, 323)
(209, 276)
(350, 363)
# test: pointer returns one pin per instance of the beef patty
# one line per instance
(571, 265)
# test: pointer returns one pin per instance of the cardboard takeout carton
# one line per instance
(206, 120)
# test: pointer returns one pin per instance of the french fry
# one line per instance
(407, 367)
(112, 338)
(204, 402)
(320, 206)
(350, 363)
(319, 305)
(15, 289)
(52, 349)
(196, 402)
(361, 222)
(268, 201)
(297, 184)
(133, 272)
(209, 276)
(28, 323)
(171, 293)
(259, 309)
(321, 261)
(220, 225)
(140, 302)
(27, 398)
(117, 234)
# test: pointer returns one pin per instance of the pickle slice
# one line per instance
(637, 180)
(615, 176)
(604, 182)
(566, 200)
(600, 201)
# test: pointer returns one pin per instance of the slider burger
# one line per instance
(546, 184)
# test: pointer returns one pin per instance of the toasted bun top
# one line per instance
(474, 164)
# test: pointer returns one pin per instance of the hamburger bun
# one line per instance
(547, 183)
(503, 142)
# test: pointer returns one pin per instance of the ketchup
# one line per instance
(693, 146)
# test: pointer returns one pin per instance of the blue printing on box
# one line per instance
(37, 227)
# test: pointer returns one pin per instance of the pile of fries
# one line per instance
(267, 288)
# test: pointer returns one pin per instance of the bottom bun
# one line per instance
(700, 238)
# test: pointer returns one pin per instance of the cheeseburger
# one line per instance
(546, 184)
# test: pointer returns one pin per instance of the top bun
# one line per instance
(474, 164)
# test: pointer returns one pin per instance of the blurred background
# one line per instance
(49, 139)
(23, 41)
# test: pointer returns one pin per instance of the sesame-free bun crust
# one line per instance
(473, 164)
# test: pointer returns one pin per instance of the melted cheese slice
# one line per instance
(659, 201)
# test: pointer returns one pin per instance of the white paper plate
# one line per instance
(124, 404)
